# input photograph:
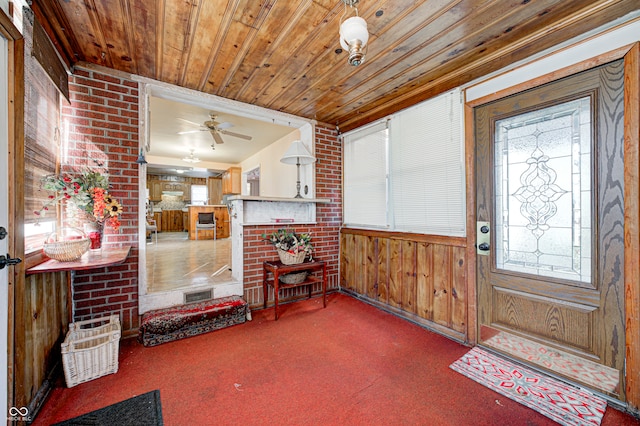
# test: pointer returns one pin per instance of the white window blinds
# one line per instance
(365, 176)
(426, 163)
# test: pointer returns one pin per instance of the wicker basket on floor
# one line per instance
(291, 259)
(89, 353)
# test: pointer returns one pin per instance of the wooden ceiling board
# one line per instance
(257, 72)
(143, 27)
(291, 65)
(407, 77)
(116, 32)
(486, 64)
(282, 54)
(252, 38)
(206, 39)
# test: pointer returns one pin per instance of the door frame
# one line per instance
(631, 55)
(15, 92)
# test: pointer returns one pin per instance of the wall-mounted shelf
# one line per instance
(108, 256)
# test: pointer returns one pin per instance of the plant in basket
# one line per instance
(292, 248)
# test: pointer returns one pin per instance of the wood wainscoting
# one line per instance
(41, 325)
(419, 277)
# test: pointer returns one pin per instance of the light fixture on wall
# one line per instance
(297, 154)
(141, 160)
(191, 158)
(354, 34)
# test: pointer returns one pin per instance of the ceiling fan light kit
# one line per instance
(354, 35)
(191, 158)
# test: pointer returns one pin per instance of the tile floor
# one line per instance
(176, 262)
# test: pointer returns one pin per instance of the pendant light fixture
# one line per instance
(354, 34)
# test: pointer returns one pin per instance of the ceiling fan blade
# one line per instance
(237, 135)
(191, 131)
(189, 122)
(216, 137)
(225, 125)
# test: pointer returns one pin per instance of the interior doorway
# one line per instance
(550, 209)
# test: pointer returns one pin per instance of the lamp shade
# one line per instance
(297, 154)
(352, 30)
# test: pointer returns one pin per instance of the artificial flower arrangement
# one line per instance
(88, 191)
(291, 242)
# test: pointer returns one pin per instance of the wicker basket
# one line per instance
(89, 353)
(68, 245)
(293, 278)
(291, 259)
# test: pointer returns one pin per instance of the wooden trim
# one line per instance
(555, 75)
(470, 167)
(632, 223)
(15, 86)
(408, 236)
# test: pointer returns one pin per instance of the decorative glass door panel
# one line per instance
(542, 191)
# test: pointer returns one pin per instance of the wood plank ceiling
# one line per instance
(284, 55)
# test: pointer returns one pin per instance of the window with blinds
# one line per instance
(41, 144)
(365, 176)
(409, 177)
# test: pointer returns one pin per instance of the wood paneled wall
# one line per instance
(420, 277)
(42, 320)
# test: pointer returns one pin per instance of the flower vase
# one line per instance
(95, 232)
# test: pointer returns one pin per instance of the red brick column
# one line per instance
(324, 235)
(100, 132)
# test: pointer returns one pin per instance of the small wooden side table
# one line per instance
(277, 268)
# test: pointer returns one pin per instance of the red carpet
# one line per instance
(565, 404)
(347, 364)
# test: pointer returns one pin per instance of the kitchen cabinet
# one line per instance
(171, 221)
(157, 216)
(215, 190)
(155, 190)
(232, 181)
(185, 221)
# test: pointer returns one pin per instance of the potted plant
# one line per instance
(292, 248)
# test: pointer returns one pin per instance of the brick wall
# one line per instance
(102, 128)
(102, 123)
(325, 234)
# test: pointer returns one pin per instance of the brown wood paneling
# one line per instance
(441, 285)
(383, 270)
(424, 281)
(632, 223)
(409, 291)
(568, 323)
(44, 315)
(395, 273)
(458, 290)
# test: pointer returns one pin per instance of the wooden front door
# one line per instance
(550, 227)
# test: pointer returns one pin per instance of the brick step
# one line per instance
(179, 322)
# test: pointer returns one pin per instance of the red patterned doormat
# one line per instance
(562, 403)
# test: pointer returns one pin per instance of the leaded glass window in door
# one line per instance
(543, 191)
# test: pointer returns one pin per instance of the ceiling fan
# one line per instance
(215, 128)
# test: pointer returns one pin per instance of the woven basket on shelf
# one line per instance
(291, 259)
(68, 246)
(293, 278)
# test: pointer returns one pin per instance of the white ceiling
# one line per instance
(168, 117)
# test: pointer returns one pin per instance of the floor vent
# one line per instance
(198, 296)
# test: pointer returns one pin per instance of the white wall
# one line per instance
(277, 179)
